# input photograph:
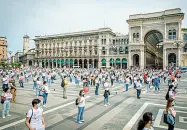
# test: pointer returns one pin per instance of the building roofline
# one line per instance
(100, 30)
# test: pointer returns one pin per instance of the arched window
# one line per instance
(137, 35)
(185, 47)
(134, 35)
(185, 37)
(172, 34)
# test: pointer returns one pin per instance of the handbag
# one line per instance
(3, 99)
(170, 119)
(165, 118)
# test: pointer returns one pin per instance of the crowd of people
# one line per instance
(43, 78)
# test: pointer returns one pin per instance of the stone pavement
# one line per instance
(123, 113)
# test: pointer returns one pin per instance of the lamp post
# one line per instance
(178, 43)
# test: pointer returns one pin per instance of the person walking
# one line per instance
(106, 92)
(81, 107)
(171, 114)
(5, 82)
(157, 83)
(146, 122)
(148, 82)
(138, 88)
(13, 89)
(21, 80)
(5, 100)
(127, 81)
(97, 86)
(64, 87)
(35, 118)
(34, 81)
(38, 86)
(49, 79)
(45, 90)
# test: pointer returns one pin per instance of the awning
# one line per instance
(124, 61)
(66, 61)
(71, 61)
(54, 60)
(103, 61)
(118, 61)
(111, 61)
(58, 61)
(50, 60)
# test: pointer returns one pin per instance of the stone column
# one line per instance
(129, 34)
(164, 59)
(165, 30)
(179, 57)
(40, 63)
(92, 63)
(179, 30)
(142, 59)
(141, 32)
(82, 63)
(129, 59)
(52, 64)
(107, 62)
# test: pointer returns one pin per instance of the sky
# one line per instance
(44, 17)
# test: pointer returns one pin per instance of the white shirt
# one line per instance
(127, 80)
(46, 88)
(36, 120)
(106, 86)
(82, 102)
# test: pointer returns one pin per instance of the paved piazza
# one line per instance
(123, 113)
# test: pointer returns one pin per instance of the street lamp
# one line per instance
(178, 43)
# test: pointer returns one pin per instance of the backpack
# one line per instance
(31, 116)
(62, 83)
(167, 95)
(76, 102)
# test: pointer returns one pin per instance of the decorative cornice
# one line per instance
(155, 18)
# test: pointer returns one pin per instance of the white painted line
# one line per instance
(48, 111)
(133, 120)
(181, 111)
(166, 127)
(158, 118)
(181, 119)
(108, 116)
(165, 105)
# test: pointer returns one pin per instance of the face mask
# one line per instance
(38, 105)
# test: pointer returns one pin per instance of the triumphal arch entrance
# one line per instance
(154, 39)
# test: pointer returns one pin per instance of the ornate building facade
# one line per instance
(93, 48)
(3, 48)
(155, 39)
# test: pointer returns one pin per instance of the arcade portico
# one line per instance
(155, 39)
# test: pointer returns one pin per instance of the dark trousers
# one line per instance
(96, 89)
(21, 84)
(170, 127)
(4, 86)
(112, 82)
(45, 98)
(138, 92)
